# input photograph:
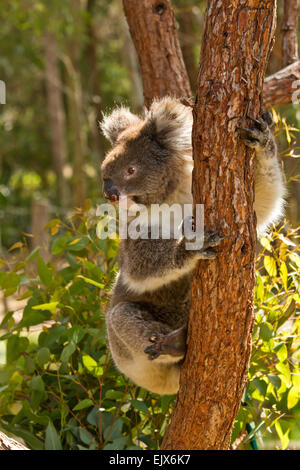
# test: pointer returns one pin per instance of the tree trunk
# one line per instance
(153, 30)
(40, 218)
(75, 112)
(56, 112)
(289, 32)
(7, 443)
(98, 138)
(235, 48)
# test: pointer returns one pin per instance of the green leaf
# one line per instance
(140, 405)
(67, 352)
(295, 259)
(59, 245)
(265, 243)
(118, 444)
(6, 318)
(284, 437)
(165, 402)
(52, 440)
(284, 369)
(85, 436)
(44, 272)
(266, 331)
(10, 283)
(114, 394)
(91, 365)
(75, 334)
(284, 274)
(114, 431)
(293, 397)
(43, 356)
(34, 318)
(37, 384)
(86, 403)
(15, 346)
(281, 352)
(91, 281)
(270, 266)
(77, 243)
(287, 313)
(275, 380)
(57, 333)
(51, 306)
(93, 417)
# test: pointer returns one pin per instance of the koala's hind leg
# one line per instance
(131, 329)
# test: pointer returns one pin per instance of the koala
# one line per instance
(150, 162)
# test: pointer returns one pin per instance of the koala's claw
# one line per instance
(208, 254)
(212, 239)
(268, 118)
(172, 344)
(258, 137)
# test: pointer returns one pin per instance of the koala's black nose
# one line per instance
(110, 191)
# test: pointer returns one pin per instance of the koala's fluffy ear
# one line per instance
(171, 124)
(116, 122)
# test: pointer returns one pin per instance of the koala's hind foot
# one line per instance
(259, 137)
(172, 344)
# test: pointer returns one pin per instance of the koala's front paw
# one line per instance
(173, 344)
(260, 137)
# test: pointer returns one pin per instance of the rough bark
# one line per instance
(289, 32)
(153, 30)
(236, 45)
(56, 112)
(7, 443)
(163, 71)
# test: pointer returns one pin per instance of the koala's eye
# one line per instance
(130, 171)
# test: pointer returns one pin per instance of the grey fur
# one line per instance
(151, 295)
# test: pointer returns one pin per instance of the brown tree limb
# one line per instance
(280, 87)
(153, 29)
(56, 112)
(230, 83)
(289, 32)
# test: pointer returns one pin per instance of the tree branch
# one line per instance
(280, 87)
(289, 32)
(153, 29)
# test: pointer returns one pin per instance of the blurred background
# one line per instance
(64, 63)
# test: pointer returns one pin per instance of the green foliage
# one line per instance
(59, 387)
(272, 397)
